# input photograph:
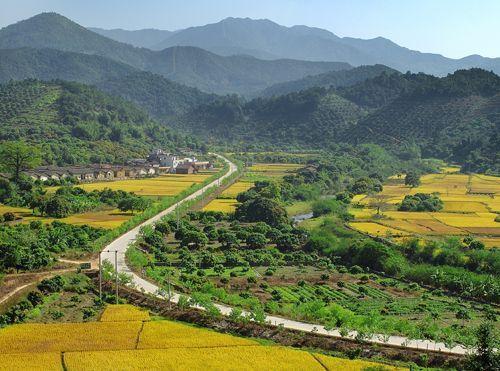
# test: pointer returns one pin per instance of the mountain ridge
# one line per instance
(188, 65)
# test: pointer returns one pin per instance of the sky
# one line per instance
(454, 28)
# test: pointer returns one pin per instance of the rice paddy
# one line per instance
(471, 205)
(163, 185)
(226, 205)
(126, 339)
(167, 185)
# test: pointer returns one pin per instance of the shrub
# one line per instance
(50, 285)
(9, 217)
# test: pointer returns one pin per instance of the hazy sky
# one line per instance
(454, 28)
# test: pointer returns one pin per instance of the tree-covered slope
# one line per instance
(335, 79)
(50, 64)
(157, 95)
(456, 118)
(188, 65)
(75, 123)
(308, 118)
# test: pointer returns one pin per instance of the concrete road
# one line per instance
(121, 244)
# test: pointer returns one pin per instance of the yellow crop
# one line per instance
(226, 205)
(31, 361)
(223, 358)
(334, 364)
(57, 337)
(236, 188)
(124, 312)
(166, 334)
(375, 229)
(483, 220)
(464, 207)
(164, 185)
(491, 242)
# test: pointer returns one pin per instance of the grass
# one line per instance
(298, 208)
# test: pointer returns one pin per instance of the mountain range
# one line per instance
(188, 65)
(268, 40)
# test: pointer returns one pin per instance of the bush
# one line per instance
(421, 202)
(9, 217)
(50, 285)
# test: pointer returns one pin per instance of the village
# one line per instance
(158, 162)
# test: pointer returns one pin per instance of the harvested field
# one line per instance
(375, 229)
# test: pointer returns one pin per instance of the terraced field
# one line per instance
(471, 205)
(126, 339)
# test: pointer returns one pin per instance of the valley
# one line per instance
(244, 195)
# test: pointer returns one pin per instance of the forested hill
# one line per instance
(158, 95)
(456, 118)
(75, 123)
(335, 79)
(188, 65)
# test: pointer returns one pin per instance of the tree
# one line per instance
(16, 157)
(228, 239)
(485, 357)
(193, 238)
(256, 241)
(412, 179)
(57, 207)
(261, 209)
(379, 202)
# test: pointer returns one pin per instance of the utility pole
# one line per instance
(100, 277)
(116, 274)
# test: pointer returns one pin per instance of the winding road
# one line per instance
(121, 244)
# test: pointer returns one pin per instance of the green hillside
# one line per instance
(455, 118)
(156, 94)
(75, 123)
(335, 79)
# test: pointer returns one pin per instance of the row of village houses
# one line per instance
(137, 168)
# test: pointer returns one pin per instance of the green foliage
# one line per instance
(486, 355)
(18, 156)
(73, 123)
(29, 247)
(421, 202)
(331, 206)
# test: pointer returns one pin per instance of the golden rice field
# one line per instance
(108, 218)
(471, 204)
(125, 339)
(124, 312)
(274, 170)
(163, 185)
(234, 189)
(226, 205)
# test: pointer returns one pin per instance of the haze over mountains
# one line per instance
(268, 40)
(189, 65)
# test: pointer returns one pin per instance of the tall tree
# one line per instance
(16, 157)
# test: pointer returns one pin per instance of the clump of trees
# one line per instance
(33, 246)
(421, 202)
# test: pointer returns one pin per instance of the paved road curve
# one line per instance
(121, 244)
